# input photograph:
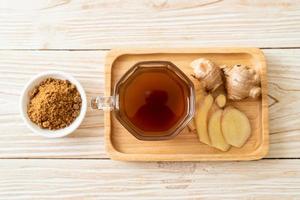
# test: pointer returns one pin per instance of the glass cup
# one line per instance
(155, 111)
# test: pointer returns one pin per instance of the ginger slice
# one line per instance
(201, 118)
(215, 132)
(236, 127)
(221, 100)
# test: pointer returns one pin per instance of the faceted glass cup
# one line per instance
(112, 103)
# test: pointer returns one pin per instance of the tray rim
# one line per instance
(259, 153)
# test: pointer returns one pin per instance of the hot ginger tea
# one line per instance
(154, 100)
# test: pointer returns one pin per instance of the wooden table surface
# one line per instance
(75, 35)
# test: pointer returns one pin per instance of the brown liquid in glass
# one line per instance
(154, 100)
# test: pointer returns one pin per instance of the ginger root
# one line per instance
(236, 127)
(208, 73)
(241, 82)
(201, 118)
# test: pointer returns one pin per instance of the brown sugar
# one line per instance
(54, 104)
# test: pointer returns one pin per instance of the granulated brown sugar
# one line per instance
(54, 104)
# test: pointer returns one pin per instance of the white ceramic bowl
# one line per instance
(25, 99)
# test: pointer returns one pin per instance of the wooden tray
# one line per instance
(121, 145)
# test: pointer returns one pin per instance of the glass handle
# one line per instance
(103, 103)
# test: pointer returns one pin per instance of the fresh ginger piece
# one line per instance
(215, 133)
(221, 100)
(201, 118)
(208, 73)
(236, 127)
(242, 82)
(191, 126)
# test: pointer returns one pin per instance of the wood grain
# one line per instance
(121, 145)
(284, 101)
(31, 26)
(92, 24)
(17, 67)
(105, 179)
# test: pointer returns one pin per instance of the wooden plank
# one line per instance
(17, 67)
(105, 179)
(100, 24)
(284, 101)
